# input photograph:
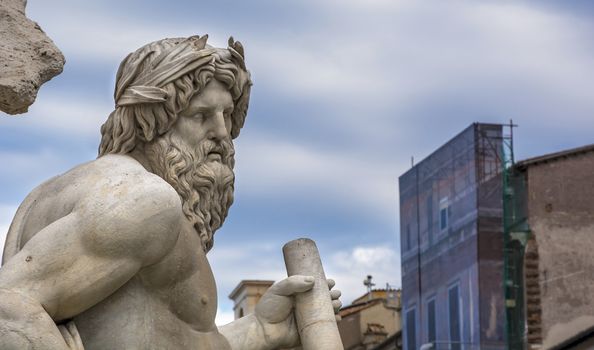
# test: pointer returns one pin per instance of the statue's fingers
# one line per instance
(330, 282)
(336, 304)
(292, 285)
(274, 308)
(78, 345)
(67, 337)
(338, 317)
(335, 294)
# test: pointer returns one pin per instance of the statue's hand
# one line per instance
(275, 309)
(71, 336)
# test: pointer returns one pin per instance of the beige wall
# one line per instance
(247, 298)
(561, 217)
(349, 328)
(353, 326)
(378, 313)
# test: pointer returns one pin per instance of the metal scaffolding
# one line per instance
(516, 233)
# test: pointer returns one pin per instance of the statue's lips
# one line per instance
(214, 156)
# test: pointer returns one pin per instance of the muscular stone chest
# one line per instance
(184, 282)
(171, 305)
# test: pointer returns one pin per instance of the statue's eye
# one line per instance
(200, 113)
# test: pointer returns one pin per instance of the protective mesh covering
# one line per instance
(452, 242)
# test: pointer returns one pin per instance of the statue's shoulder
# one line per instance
(122, 179)
(118, 182)
(124, 197)
(109, 195)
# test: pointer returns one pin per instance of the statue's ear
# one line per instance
(241, 108)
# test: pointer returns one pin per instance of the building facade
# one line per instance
(246, 295)
(372, 321)
(451, 239)
(552, 200)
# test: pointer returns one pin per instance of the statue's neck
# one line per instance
(139, 155)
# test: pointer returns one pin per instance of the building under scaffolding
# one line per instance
(451, 214)
(548, 235)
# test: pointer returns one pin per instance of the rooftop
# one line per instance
(252, 283)
(354, 308)
(551, 157)
(363, 302)
(449, 143)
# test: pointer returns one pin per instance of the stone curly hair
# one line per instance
(156, 82)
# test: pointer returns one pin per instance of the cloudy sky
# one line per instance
(345, 92)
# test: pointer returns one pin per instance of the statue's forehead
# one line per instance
(214, 95)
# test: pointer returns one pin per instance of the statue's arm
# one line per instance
(245, 333)
(79, 260)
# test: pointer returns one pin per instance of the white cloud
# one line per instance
(232, 263)
(30, 168)
(60, 114)
(370, 257)
(507, 59)
(375, 62)
(224, 317)
(328, 71)
(268, 166)
(104, 35)
(350, 267)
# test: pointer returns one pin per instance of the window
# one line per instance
(431, 322)
(454, 317)
(443, 218)
(430, 218)
(408, 240)
(411, 330)
(444, 211)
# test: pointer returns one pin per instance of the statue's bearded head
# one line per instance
(169, 96)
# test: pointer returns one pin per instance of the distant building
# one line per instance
(452, 244)
(497, 254)
(371, 321)
(393, 342)
(246, 295)
(550, 229)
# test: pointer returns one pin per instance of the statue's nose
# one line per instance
(218, 130)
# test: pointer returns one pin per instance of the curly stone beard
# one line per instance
(204, 186)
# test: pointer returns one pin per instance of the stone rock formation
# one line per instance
(28, 58)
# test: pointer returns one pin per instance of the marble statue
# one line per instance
(112, 253)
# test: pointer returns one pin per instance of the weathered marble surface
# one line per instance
(314, 312)
(112, 253)
(28, 58)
